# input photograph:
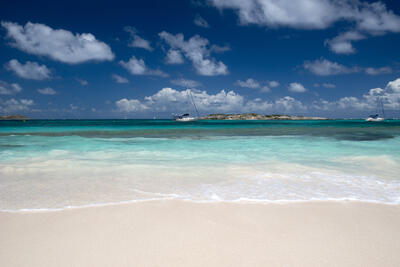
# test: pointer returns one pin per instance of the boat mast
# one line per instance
(380, 107)
(192, 100)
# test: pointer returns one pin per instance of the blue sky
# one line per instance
(102, 59)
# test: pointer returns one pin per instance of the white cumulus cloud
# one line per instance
(326, 85)
(263, 87)
(300, 14)
(29, 70)
(273, 84)
(169, 100)
(9, 89)
(288, 104)
(364, 17)
(138, 67)
(201, 22)
(174, 57)
(47, 91)
(376, 71)
(15, 105)
(249, 83)
(57, 44)
(389, 95)
(324, 67)
(296, 88)
(341, 44)
(313, 14)
(119, 79)
(132, 105)
(186, 83)
(197, 50)
(137, 41)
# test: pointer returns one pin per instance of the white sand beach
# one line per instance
(183, 233)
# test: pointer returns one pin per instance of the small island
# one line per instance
(255, 116)
(14, 118)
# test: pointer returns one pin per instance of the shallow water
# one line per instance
(63, 163)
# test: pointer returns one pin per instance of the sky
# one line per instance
(140, 59)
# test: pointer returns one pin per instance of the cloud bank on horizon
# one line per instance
(169, 99)
(126, 71)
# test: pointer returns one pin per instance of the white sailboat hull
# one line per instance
(374, 119)
(186, 119)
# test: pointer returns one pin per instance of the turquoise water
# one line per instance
(70, 163)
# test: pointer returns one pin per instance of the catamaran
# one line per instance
(376, 117)
(186, 117)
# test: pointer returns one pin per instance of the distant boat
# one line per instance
(186, 117)
(376, 117)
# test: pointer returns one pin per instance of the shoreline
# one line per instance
(185, 233)
(200, 202)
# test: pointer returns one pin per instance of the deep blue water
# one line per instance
(357, 130)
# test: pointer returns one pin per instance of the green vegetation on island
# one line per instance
(14, 117)
(255, 116)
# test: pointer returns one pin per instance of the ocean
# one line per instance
(59, 164)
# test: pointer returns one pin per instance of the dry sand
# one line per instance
(179, 233)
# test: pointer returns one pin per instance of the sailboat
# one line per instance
(186, 117)
(376, 117)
